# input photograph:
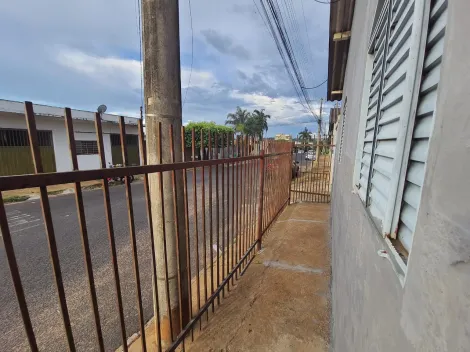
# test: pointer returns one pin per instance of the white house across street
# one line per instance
(15, 154)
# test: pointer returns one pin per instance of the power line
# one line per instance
(319, 85)
(281, 53)
(192, 54)
(305, 57)
(288, 55)
(306, 30)
(264, 21)
(327, 2)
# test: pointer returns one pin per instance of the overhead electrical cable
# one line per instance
(275, 19)
(192, 54)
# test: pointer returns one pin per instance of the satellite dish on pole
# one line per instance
(102, 109)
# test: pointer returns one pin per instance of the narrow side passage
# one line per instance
(282, 302)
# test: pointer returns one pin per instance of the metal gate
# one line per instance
(311, 172)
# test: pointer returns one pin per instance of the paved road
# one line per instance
(303, 163)
(33, 258)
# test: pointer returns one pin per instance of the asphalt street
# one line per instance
(32, 254)
(303, 162)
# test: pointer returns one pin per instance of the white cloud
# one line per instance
(201, 79)
(127, 72)
(283, 110)
(104, 70)
(111, 71)
(80, 54)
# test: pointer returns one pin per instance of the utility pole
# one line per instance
(319, 121)
(162, 87)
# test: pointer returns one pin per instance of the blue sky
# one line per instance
(85, 53)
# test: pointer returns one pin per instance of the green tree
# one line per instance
(238, 119)
(262, 120)
(257, 124)
(206, 128)
(305, 137)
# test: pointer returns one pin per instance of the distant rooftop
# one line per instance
(54, 111)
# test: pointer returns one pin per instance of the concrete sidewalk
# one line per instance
(282, 302)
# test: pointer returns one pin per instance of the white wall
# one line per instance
(83, 130)
(371, 309)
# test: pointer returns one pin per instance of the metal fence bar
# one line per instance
(57, 178)
(15, 277)
(130, 214)
(241, 230)
(245, 197)
(222, 143)
(253, 199)
(83, 229)
(232, 239)
(148, 206)
(203, 206)
(211, 232)
(217, 214)
(186, 218)
(165, 253)
(311, 187)
(228, 210)
(196, 230)
(236, 210)
(46, 212)
(180, 338)
(109, 223)
(177, 228)
(259, 228)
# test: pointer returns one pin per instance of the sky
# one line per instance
(85, 53)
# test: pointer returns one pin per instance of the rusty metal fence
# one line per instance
(311, 176)
(237, 198)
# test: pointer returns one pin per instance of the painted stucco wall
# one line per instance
(83, 130)
(372, 311)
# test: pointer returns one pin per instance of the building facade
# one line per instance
(283, 137)
(400, 211)
(15, 154)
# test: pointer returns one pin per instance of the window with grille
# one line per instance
(406, 49)
(131, 139)
(86, 147)
(19, 138)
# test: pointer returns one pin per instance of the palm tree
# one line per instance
(238, 119)
(305, 136)
(262, 119)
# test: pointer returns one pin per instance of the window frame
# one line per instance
(343, 125)
(81, 145)
(410, 101)
(18, 137)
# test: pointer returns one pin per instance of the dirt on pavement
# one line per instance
(282, 302)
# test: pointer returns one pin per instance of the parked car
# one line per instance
(310, 155)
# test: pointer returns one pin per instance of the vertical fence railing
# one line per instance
(230, 201)
(311, 173)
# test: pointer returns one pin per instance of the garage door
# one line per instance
(15, 152)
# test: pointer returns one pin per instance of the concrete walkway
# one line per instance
(282, 302)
